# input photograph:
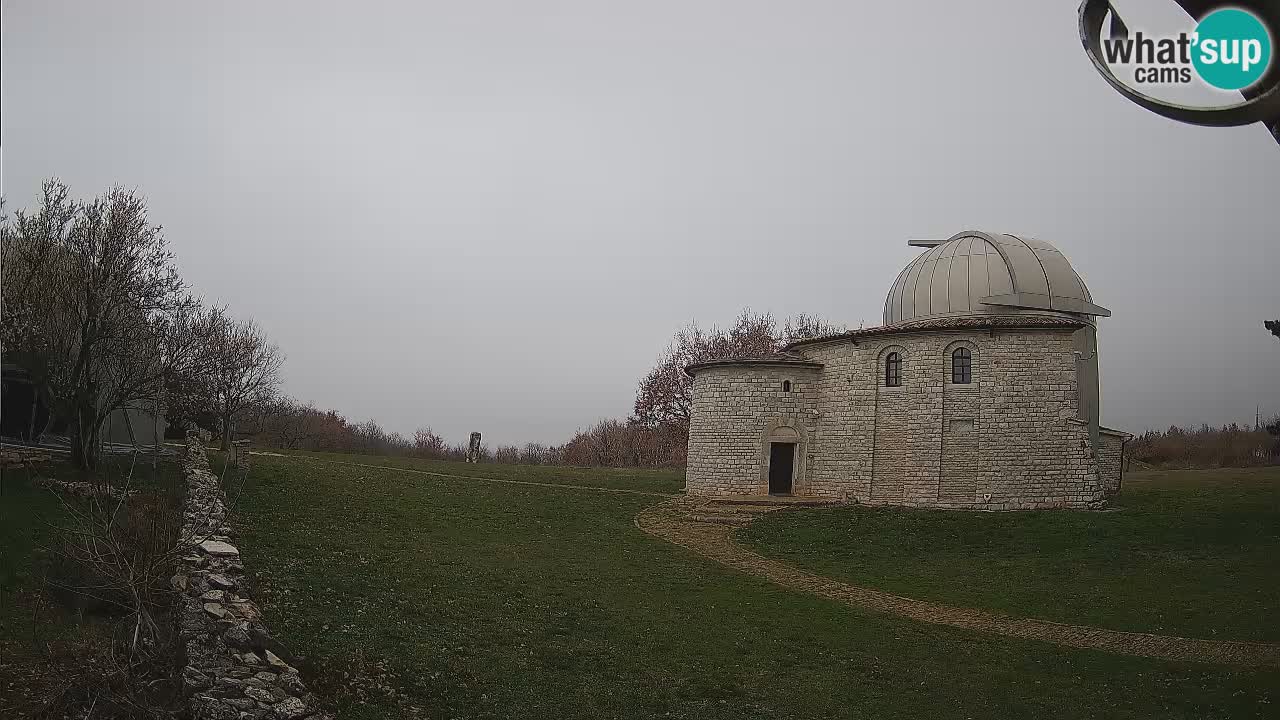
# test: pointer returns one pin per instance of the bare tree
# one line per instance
(300, 425)
(664, 397)
(370, 437)
(30, 245)
(245, 369)
(507, 454)
(28, 248)
(534, 454)
(612, 442)
(426, 443)
(805, 327)
(605, 442)
(100, 316)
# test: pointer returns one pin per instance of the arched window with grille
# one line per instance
(961, 366)
(893, 370)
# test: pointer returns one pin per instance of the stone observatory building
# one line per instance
(979, 391)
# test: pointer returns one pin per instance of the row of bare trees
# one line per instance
(96, 314)
(1208, 447)
(288, 424)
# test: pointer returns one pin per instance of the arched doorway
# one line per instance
(782, 444)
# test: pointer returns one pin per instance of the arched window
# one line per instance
(893, 370)
(786, 386)
(961, 366)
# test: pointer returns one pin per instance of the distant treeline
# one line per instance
(288, 424)
(1208, 447)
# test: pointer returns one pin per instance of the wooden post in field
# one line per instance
(240, 455)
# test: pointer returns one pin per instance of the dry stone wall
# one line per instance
(234, 669)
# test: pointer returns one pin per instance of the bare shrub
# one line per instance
(508, 454)
(244, 370)
(534, 454)
(113, 556)
(614, 443)
(95, 676)
(121, 554)
(427, 444)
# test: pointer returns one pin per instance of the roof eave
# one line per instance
(694, 368)
(938, 325)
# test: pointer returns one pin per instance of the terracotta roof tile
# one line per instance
(975, 322)
(771, 358)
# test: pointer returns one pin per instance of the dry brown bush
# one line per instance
(111, 560)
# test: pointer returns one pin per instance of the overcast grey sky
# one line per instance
(493, 215)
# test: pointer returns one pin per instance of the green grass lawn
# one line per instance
(29, 514)
(44, 629)
(419, 596)
(25, 510)
(1191, 552)
(660, 481)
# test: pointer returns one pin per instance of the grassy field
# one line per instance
(421, 596)
(659, 481)
(25, 511)
(1193, 553)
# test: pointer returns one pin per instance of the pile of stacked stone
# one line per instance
(19, 457)
(234, 669)
(80, 488)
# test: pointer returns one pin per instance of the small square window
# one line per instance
(786, 386)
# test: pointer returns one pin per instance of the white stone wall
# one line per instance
(734, 410)
(1010, 440)
(1111, 460)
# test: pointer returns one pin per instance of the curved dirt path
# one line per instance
(669, 521)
